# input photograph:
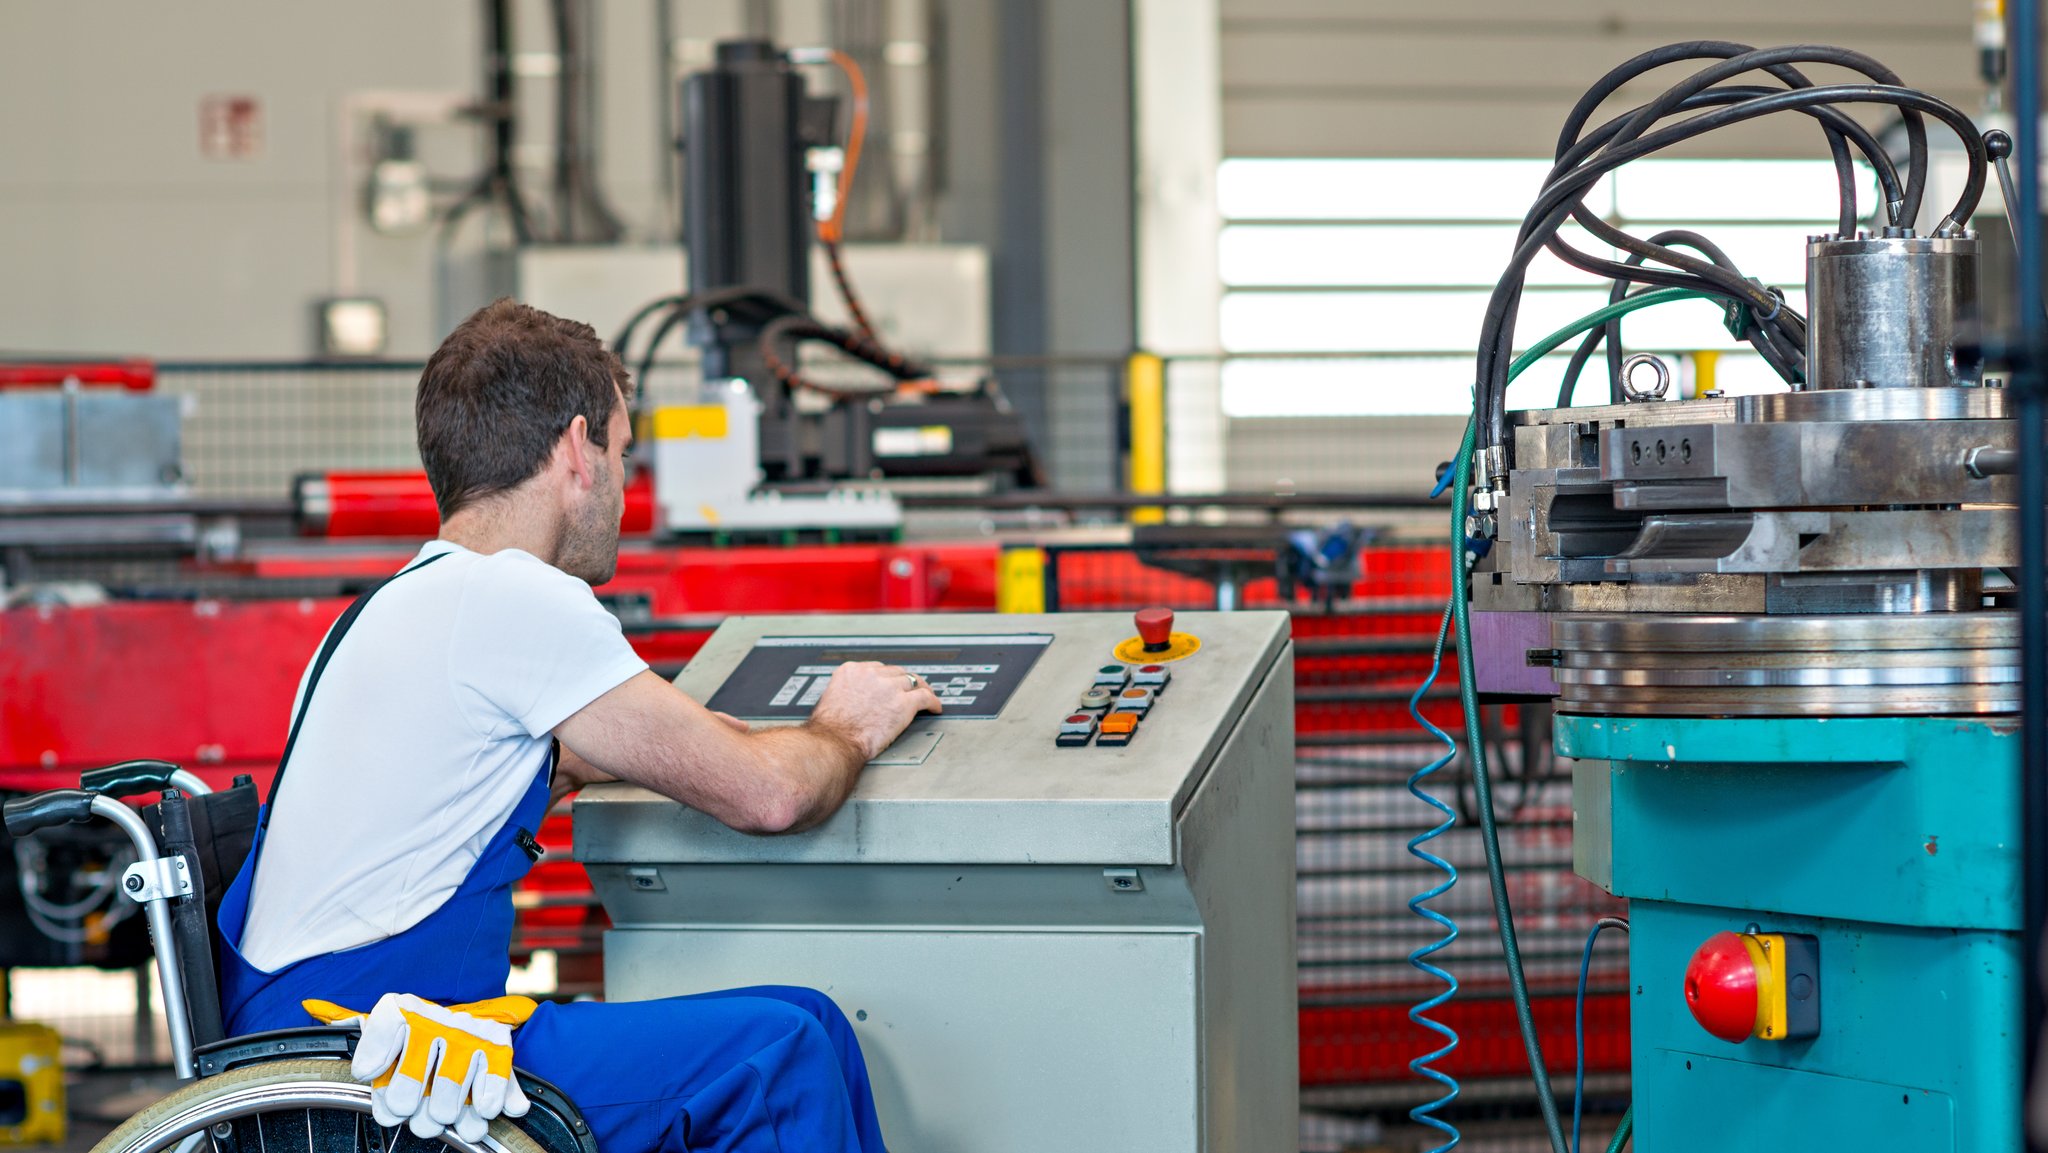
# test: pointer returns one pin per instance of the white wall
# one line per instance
(1497, 78)
(118, 236)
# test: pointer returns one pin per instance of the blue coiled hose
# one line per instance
(1458, 481)
(1425, 1065)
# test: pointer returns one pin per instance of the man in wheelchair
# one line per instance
(446, 712)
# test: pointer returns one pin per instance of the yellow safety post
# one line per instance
(1020, 580)
(1705, 363)
(1145, 397)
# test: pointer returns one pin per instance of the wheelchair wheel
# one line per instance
(291, 1106)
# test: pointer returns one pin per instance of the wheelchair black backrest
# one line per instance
(214, 833)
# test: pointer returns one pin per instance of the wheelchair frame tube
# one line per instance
(170, 975)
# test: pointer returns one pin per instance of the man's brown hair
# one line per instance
(500, 391)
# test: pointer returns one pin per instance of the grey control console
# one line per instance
(1060, 914)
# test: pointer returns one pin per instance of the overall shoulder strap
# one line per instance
(334, 635)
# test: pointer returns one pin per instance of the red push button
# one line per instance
(1155, 628)
(1721, 987)
(1755, 984)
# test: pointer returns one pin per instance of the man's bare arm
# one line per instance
(648, 732)
(572, 772)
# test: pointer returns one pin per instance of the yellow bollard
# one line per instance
(1020, 580)
(1145, 394)
(1705, 363)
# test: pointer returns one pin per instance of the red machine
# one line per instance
(133, 375)
(206, 680)
(401, 505)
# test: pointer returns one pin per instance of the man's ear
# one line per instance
(570, 451)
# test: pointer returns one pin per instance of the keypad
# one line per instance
(1111, 710)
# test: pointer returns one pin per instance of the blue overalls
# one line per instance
(771, 1068)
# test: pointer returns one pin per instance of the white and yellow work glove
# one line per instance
(436, 1067)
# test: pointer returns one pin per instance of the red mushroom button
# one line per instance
(1721, 988)
(1155, 628)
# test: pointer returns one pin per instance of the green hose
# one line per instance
(1468, 700)
(1628, 1122)
(1592, 320)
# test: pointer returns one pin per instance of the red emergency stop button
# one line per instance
(1720, 987)
(1155, 628)
(1755, 984)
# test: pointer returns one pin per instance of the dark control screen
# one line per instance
(781, 678)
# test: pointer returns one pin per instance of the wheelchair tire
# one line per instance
(294, 1085)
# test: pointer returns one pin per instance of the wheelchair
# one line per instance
(284, 1091)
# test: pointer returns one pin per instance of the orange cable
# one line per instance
(832, 228)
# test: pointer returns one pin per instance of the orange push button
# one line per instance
(1117, 729)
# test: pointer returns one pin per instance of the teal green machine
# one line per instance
(1892, 842)
(1784, 735)
(1776, 632)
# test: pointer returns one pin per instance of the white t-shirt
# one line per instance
(429, 723)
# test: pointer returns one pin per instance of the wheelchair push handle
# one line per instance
(152, 881)
(24, 815)
(144, 776)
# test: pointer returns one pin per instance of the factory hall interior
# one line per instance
(994, 576)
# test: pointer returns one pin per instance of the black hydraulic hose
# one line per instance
(796, 329)
(1577, 366)
(1621, 74)
(1610, 333)
(1723, 281)
(1572, 150)
(1555, 203)
(1865, 142)
(1715, 97)
(641, 371)
(767, 303)
(1612, 328)
(622, 343)
(2032, 405)
(1778, 62)
(1568, 187)
(1735, 288)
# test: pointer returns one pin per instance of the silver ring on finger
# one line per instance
(912, 678)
